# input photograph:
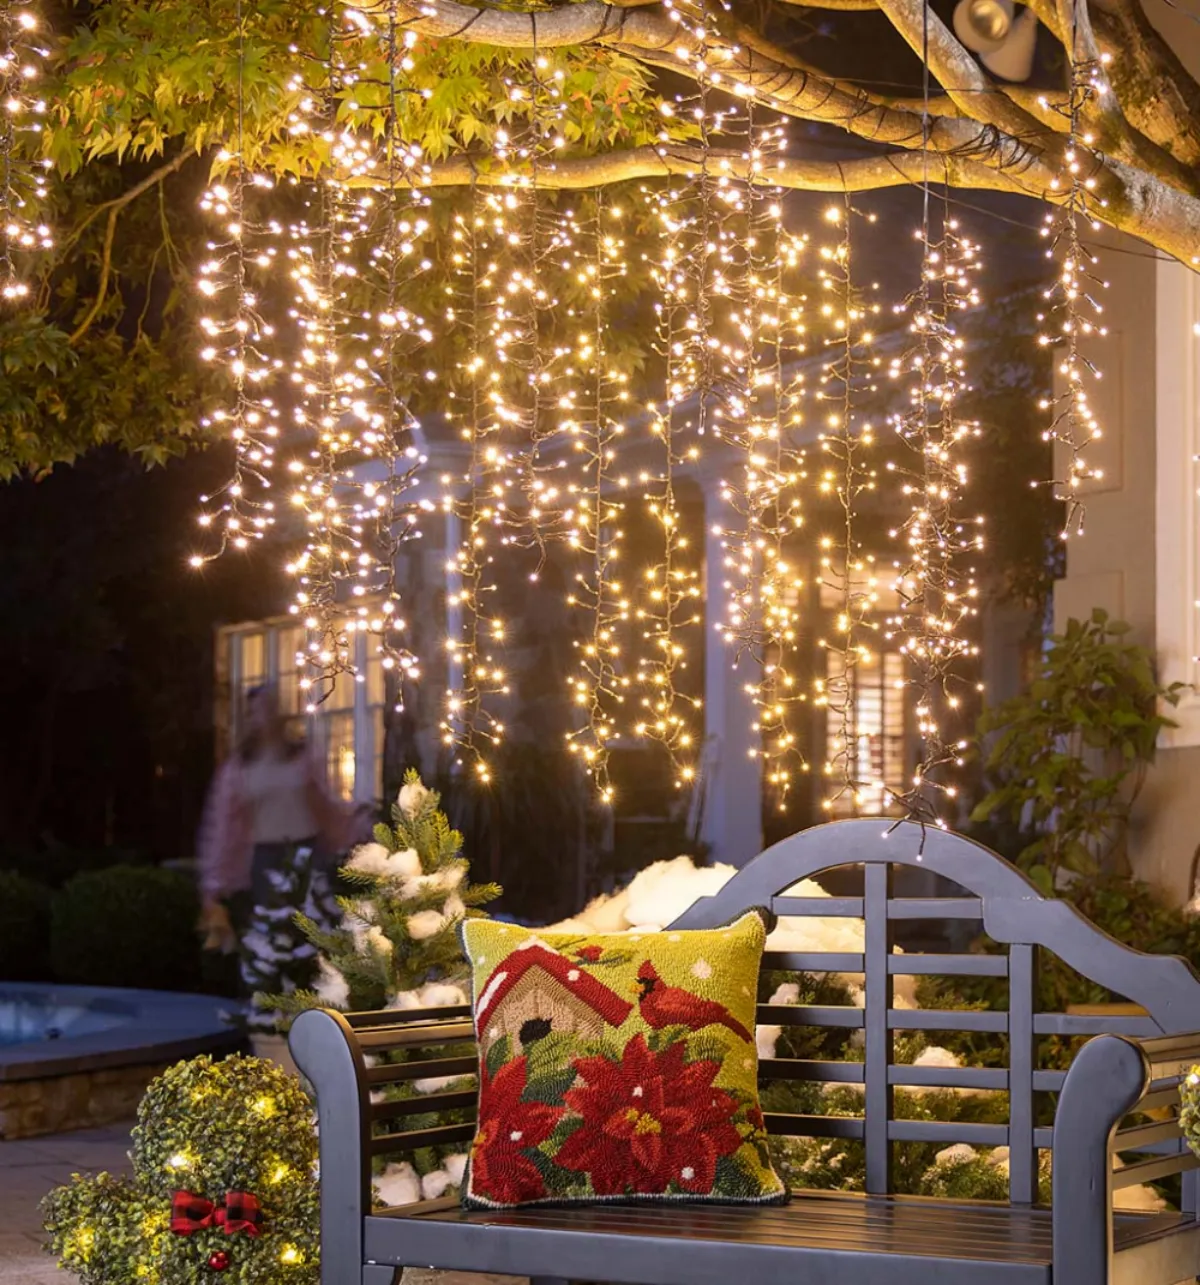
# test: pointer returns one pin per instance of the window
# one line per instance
(340, 761)
(878, 751)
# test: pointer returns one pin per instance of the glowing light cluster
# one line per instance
(763, 416)
(1072, 316)
(935, 582)
(237, 336)
(23, 175)
(849, 572)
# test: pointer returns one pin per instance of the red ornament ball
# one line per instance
(219, 1260)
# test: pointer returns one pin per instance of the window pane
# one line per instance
(339, 759)
(254, 660)
(876, 756)
(288, 641)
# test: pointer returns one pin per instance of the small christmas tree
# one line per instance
(224, 1181)
(276, 956)
(397, 945)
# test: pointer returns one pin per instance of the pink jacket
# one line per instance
(224, 849)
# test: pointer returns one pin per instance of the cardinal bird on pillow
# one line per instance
(662, 1006)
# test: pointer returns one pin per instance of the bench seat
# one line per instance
(819, 1238)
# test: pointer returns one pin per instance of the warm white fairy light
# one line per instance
(1073, 315)
(237, 337)
(935, 581)
(23, 174)
(763, 415)
(593, 420)
(350, 411)
(847, 569)
(479, 500)
(387, 339)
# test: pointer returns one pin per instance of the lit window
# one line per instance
(877, 756)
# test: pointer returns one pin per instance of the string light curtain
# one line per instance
(238, 338)
(593, 419)
(935, 584)
(852, 780)
(23, 175)
(762, 489)
(1073, 310)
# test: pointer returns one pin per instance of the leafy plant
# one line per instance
(1069, 757)
(127, 926)
(206, 1128)
(24, 928)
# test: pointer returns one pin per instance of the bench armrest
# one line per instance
(343, 1055)
(1111, 1077)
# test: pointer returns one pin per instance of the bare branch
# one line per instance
(113, 209)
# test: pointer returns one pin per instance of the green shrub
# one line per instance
(127, 926)
(53, 864)
(24, 928)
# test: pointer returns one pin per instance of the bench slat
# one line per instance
(819, 907)
(1081, 1024)
(792, 1068)
(935, 908)
(1151, 1170)
(947, 1132)
(946, 1019)
(423, 1035)
(810, 961)
(843, 1015)
(948, 965)
(435, 1068)
(424, 1104)
(440, 1135)
(947, 1077)
(814, 1126)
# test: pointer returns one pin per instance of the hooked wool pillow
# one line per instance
(617, 1066)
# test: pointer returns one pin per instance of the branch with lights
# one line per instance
(23, 173)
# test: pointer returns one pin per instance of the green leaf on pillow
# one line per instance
(498, 1055)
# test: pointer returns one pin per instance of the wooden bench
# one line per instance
(1131, 1064)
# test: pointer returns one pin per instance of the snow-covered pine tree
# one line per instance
(397, 945)
(276, 957)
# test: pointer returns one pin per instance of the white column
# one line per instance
(1176, 506)
(731, 779)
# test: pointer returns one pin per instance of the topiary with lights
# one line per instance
(223, 1187)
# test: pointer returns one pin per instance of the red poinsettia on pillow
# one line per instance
(649, 1121)
(500, 1169)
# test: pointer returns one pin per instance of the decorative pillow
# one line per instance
(617, 1067)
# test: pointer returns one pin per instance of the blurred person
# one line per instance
(269, 798)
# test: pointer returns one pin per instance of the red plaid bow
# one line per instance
(191, 1213)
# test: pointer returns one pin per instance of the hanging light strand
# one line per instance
(1072, 316)
(762, 488)
(595, 425)
(386, 508)
(849, 575)
(935, 583)
(23, 174)
(237, 338)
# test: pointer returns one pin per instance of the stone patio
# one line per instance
(29, 1168)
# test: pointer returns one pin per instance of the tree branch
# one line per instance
(114, 208)
(898, 169)
(1160, 211)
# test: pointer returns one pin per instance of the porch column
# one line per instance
(731, 783)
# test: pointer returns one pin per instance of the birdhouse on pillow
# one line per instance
(535, 990)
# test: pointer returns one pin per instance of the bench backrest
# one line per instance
(1012, 912)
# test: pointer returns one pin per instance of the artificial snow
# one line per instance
(399, 1185)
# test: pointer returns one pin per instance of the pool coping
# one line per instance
(168, 1026)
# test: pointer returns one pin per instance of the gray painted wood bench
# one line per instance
(1129, 1065)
